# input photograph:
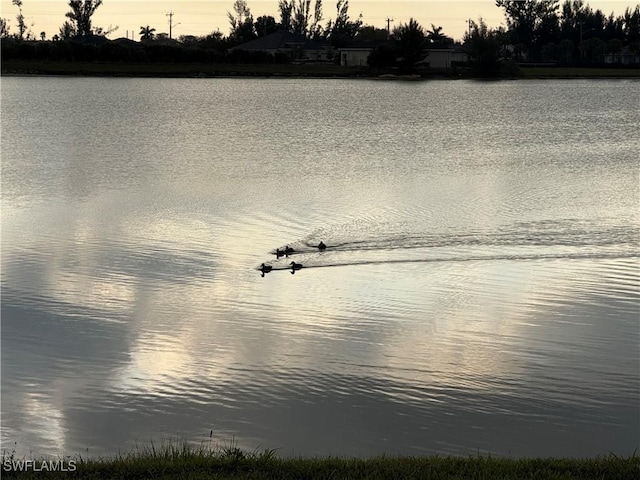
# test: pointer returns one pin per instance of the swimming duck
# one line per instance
(265, 269)
(321, 245)
(295, 266)
(288, 250)
(279, 253)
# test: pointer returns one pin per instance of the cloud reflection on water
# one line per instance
(492, 308)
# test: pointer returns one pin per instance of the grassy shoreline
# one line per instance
(202, 70)
(185, 461)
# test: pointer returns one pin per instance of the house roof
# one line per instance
(281, 40)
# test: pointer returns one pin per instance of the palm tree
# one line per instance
(410, 42)
(147, 33)
(435, 36)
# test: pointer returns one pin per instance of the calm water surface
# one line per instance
(480, 292)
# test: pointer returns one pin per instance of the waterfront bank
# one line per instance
(183, 461)
(182, 70)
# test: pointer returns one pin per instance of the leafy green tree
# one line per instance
(80, 15)
(147, 33)
(411, 43)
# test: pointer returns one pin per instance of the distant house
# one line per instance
(297, 47)
(444, 57)
(355, 56)
(624, 57)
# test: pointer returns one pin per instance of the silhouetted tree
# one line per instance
(435, 36)
(301, 16)
(315, 30)
(4, 28)
(296, 17)
(565, 51)
(410, 43)
(530, 21)
(631, 25)
(343, 29)
(80, 15)
(147, 33)
(215, 40)
(369, 33)
(382, 57)
(265, 25)
(68, 30)
(43, 36)
(614, 28)
(22, 27)
(286, 11)
(483, 48)
(104, 31)
(549, 52)
(242, 29)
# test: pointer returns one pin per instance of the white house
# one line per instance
(354, 56)
(444, 57)
(625, 57)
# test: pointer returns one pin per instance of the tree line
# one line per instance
(545, 30)
(570, 33)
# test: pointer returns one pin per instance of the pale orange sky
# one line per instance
(199, 17)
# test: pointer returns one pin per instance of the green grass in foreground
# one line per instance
(184, 461)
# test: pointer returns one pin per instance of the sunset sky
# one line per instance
(200, 17)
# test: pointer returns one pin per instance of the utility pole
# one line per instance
(170, 15)
(389, 20)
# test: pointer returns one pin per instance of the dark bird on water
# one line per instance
(265, 269)
(288, 250)
(321, 245)
(295, 266)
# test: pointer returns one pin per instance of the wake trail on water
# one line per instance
(520, 242)
(478, 258)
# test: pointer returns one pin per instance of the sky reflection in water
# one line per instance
(484, 298)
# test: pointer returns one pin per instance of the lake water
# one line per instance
(480, 291)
